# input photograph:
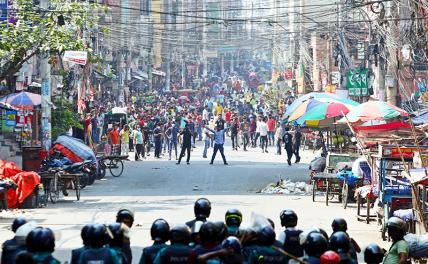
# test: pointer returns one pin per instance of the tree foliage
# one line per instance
(37, 31)
(63, 118)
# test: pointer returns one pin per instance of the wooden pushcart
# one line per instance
(58, 181)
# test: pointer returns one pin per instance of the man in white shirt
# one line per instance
(263, 130)
(278, 138)
(205, 117)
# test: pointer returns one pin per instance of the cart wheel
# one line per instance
(53, 190)
(76, 183)
(345, 195)
(116, 167)
(327, 192)
(314, 185)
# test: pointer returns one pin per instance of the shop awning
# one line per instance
(140, 75)
(159, 73)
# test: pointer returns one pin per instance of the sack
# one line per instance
(418, 245)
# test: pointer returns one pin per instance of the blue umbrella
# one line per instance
(22, 100)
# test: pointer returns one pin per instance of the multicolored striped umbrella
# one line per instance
(374, 110)
(22, 100)
(326, 112)
(313, 103)
(320, 97)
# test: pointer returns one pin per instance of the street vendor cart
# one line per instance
(57, 182)
(328, 180)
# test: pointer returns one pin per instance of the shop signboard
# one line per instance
(335, 77)
(78, 57)
(357, 81)
(10, 118)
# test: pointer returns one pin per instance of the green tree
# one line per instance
(63, 117)
(46, 32)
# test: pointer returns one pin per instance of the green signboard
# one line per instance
(357, 81)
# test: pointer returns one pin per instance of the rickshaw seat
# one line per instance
(401, 203)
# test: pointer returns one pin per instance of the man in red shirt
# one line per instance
(114, 140)
(228, 117)
(271, 130)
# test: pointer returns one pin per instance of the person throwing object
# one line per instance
(218, 142)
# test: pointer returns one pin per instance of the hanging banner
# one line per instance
(78, 57)
(357, 81)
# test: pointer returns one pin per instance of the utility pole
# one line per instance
(204, 42)
(391, 75)
(45, 70)
(168, 60)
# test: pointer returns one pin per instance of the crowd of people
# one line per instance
(158, 124)
(203, 241)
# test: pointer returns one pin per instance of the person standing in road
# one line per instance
(297, 141)
(187, 144)
(288, 144)
(245, 133)
(220, 122)
(278, 138)
(115, 140)
(124, 137)
(138, 138)
(263, 130)
(206, 137)
(157, 136)
(234, 130)
(271, 130)
(172, 135)
(219, 142)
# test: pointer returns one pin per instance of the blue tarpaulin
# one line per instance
(77, 147)
(421, 119)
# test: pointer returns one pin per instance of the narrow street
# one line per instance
(161, 189)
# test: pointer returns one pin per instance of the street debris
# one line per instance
(288, 187)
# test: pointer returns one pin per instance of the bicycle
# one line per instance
(113, 163)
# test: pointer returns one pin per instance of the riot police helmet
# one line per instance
(233, 217)
(125, 216)
(315, 244)
(202, 208)
(288, 218)
(339, 242)
(373, 254)
(339, 224)
(266, 236)
(84, 233)
(209, 232)
(233, 243)
(99, 236)
(19, 221)
(41, 240)
(221, 231)
(180, 234)
(160, 230)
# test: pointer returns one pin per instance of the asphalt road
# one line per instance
(158, 188)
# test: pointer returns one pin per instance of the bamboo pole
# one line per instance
(414, 191)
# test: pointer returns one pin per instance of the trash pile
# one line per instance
(288, 187)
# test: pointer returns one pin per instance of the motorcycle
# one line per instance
(88, 168)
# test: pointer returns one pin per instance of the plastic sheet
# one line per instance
(418, 245)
